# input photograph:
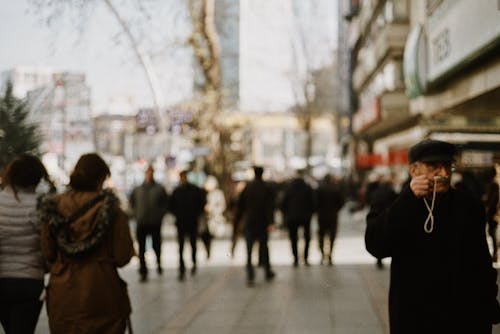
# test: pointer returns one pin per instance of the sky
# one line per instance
(111, 67)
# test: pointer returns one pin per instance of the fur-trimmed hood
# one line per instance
(78, 220)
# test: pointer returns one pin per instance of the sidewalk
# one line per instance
(348, 298)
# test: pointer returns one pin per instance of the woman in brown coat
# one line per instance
(85, 238)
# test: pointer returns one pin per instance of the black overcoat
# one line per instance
(443, 281)
(187, 204)
(256, 207)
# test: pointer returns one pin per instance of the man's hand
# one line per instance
(421, 186)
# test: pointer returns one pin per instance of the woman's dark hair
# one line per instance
(89, 173)
(25, 171)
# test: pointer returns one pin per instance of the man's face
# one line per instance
(439, 172)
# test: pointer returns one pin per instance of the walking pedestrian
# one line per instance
(255, 210)
(380, 198)
(187, 205)
(491, 205)
(329, 201)
(149, 203)
(21, 264)
(85, 237)
(442, 280)
(237, 230)
(298, 207)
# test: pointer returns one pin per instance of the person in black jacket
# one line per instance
(148, 204)
(187, 205)
(379, 199)
(298, 207)
(442, 279)
(329, 201)
(256, 209)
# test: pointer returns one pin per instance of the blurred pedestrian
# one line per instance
(21, 264)
(187, 205)
(85, 238)
(148, 204)
(381, 197)
(256, 209)
(235, 220)
(329, 201)
(214, 212)
(442, 280)
(491, 205)
(298, 207)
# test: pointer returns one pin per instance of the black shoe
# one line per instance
(296, 263)
(159, 270)
(380, 264)
(306, 262)
(270, 275)
(143, 278)
(181, 277)
(193, 271)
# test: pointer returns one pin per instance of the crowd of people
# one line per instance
(441, 267)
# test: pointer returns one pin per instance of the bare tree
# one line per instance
(204, 43)
(206, 48)
(306, 83)
(54, 10)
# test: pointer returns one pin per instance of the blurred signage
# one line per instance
(477, 158)
(69, 79)
(368, 160)
(458, 32)
(146, 121)
(399, 157)
(414, 62)
(180, 115)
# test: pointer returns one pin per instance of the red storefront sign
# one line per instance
(399, 157)
(370, 160)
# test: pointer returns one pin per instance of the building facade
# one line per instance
(425, 69)
(62, 108)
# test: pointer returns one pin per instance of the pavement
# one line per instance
(349, 297)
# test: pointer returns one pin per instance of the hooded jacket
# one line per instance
(85, 293)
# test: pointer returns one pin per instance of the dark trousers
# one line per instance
(193, 236)
(19, 304)
(327, 227)
(293, 232)
(142, 232)
(237, 229)
(262, 238)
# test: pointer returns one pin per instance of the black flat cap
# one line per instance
(430, 150)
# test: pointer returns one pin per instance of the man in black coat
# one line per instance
(298, 207)
(442, 280)
(329, 201)
(256, 209)
(379, 199)
(187, 205)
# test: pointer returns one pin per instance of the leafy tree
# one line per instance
(17, 135)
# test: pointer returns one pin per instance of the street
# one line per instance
(348, 297)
